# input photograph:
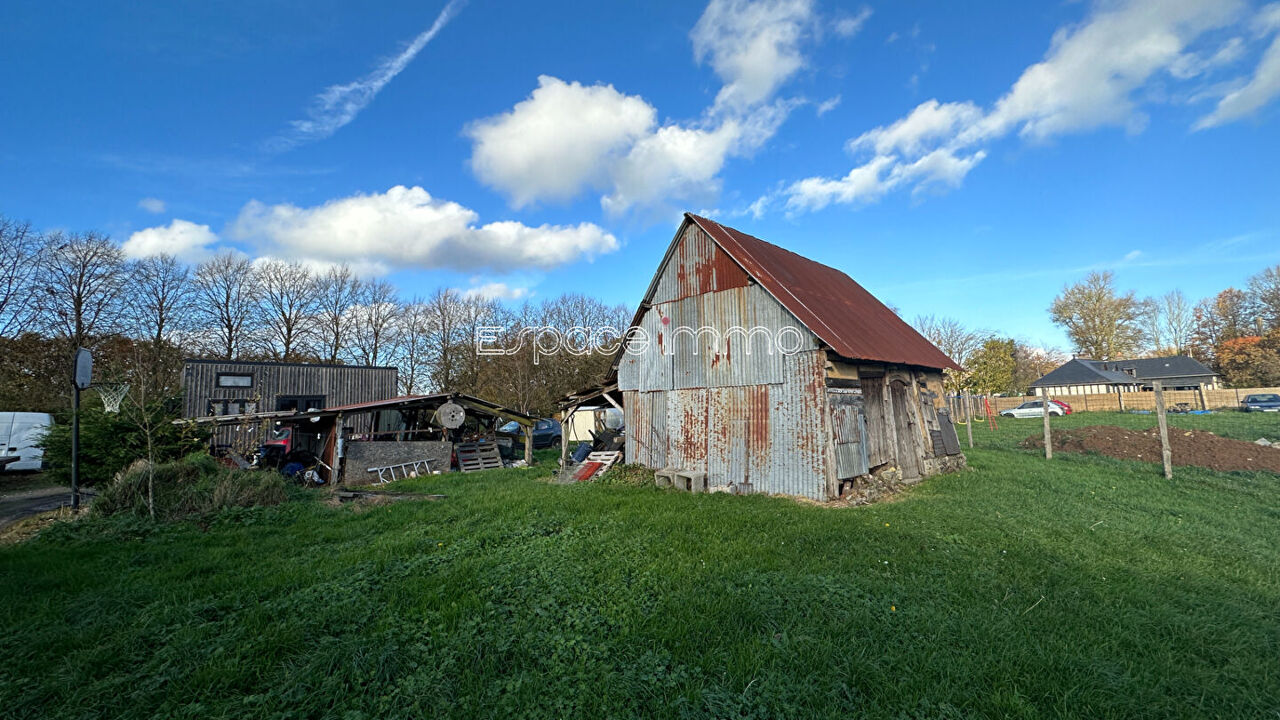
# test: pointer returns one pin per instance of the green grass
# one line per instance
(1081, 587)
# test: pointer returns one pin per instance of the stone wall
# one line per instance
(360, 455)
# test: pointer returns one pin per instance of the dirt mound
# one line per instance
(1189, 447)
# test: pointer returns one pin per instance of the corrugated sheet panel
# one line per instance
(687, 429)
(849, 427)
(646, 366)
(697, 265)
(646, 422)
(738, 434)
(798, 430)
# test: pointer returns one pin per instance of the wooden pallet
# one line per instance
(476, 456)
(602, 461)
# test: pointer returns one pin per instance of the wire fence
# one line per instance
(1119, 402)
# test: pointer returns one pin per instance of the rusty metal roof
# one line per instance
(828, 302)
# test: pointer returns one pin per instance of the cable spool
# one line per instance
(451, 415)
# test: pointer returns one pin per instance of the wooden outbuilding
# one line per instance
(753, 369)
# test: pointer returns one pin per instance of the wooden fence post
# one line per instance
(968, 417)
(1165, 453)
(1048, 441)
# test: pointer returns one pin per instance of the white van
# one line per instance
(20, 434)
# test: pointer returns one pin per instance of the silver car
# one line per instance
(1032, 409)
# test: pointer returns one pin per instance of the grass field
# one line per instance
(1081, 587)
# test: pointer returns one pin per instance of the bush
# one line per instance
(195, 485)
(110, 442)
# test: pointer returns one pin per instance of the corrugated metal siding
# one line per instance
(697, 266)
(738, 434)
(798, 430)
(849, 427)
(687, 429)
(646, 422)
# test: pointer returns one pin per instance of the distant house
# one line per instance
(1081, 376)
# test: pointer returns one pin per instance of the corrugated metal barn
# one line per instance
(773, 373)
(225, 387)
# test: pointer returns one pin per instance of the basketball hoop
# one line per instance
(111, 394)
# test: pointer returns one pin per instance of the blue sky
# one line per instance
(960, 162)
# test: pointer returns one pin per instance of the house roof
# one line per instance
(1163, 367)
(825, 300)
(1082, 371)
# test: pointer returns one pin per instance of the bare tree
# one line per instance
(287, 303)
(446, 315)
(411, 353)
(21, 255)
(1102, 323)
(1177, 321)
(82, 278)
(162, 299)
(225, 292)
(337, 292)
(373, 323)
(955, 340)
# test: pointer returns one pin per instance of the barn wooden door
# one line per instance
(879, 434)
(905, 427)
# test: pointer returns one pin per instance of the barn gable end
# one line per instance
(736, 370)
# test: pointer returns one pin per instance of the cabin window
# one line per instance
(235, 380)
(225, 407)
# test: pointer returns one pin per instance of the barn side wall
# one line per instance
(726, 401)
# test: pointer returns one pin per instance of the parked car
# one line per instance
(20, 434)
(1065, 407)
(1261, 402)
(1033, 409)
(546, 433)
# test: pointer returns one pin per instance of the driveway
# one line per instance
(22, 503)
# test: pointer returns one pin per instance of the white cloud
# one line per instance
(828, 105)
(562, 138)
(567, 138)
(496, 291)
(408, 227)
(184, 240)
(339, 104)
(152, 205)
(850, 25)
(1189, 65)
(1088, 79)
(1261, 89)
(1090, 72)
(864, 183)
(930, 122)
(753, 46)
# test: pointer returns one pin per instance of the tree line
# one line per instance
(61, 290)
(1236, 332)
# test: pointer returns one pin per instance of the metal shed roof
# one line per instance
(828, 302)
